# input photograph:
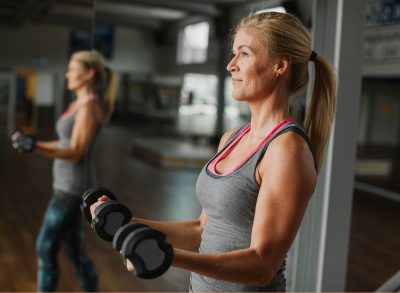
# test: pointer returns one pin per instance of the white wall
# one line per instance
(44, 92)
(134, 50)
(384, 116)
(19, 47)
(49, 45)
(45, 48)
(165, 55)
(382, 39)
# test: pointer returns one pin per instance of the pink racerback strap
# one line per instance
(225, 152)
(74, 106)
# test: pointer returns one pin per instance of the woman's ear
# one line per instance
(283, 64)
(90, 74)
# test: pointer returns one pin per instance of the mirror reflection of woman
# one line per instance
(94, 85)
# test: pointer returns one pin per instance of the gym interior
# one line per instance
(173, 104)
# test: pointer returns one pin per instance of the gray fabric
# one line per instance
(229, 202)
(70, 177)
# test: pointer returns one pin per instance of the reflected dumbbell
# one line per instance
(145, 248)
(22, 142)
(109, 216)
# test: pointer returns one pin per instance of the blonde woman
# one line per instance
(94, 85)
(255, 190)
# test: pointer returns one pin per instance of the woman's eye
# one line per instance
(244, 54)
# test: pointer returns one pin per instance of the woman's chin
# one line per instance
(238, 98)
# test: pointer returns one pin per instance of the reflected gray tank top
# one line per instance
(229, 202)
(72, 178)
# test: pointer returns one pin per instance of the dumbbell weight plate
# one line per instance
(123, 232)
(148, 252)
(91, 196)
(26, 143)
(109, 217)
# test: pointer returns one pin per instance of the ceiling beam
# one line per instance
(140, 11)
(224, 2)
(70, 21)
(120, 16)
(85, 23)
(199, 7)
(125, 20)
(28, 11)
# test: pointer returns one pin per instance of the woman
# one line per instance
(255, 190)
(88, 77)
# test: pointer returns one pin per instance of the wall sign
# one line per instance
(382, 38)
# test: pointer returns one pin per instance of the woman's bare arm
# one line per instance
(86, 123)
(183, 235)
(288, 180)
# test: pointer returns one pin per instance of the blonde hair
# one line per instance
(104, 83)
(285, 35)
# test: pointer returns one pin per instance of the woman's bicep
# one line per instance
(84, 129)
(288, 180)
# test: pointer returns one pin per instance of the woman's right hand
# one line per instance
(14, 137)
(99, 201)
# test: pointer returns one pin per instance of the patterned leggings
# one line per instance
(62, 226)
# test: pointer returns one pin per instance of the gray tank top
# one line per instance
(229, 202)
(69, 177)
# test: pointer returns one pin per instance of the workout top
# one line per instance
(73, 177)
(229, 200)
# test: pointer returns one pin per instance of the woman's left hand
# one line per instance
(99, 201)
(129, 266)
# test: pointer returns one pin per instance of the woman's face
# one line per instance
(77, 76)
(252, 70)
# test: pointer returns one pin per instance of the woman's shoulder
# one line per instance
(290, 143)
(91, 109)
(289, 150)
(297, 143)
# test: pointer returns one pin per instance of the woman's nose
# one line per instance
(231, 65)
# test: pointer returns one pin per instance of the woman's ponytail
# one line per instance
(110, 93)
(321, 107)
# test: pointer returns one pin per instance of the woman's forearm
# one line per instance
(183, 235)
(51, 149)
(241, 266)
(49, 144)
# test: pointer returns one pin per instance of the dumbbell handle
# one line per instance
(91, 196)
(109, 215)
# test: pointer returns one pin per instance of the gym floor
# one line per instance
(155, 193)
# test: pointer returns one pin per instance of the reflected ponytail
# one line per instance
(110, 93)
(104, 83)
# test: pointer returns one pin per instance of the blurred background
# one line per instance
(173, 104)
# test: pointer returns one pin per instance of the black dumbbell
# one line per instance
(22, 142)
(109, 216)
(146, 248)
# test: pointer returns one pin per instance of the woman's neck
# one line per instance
(84, 95)
(266, 114)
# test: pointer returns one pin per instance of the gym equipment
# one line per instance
(109, 216)
(22, 142)
(146, 248)
(123, 232)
